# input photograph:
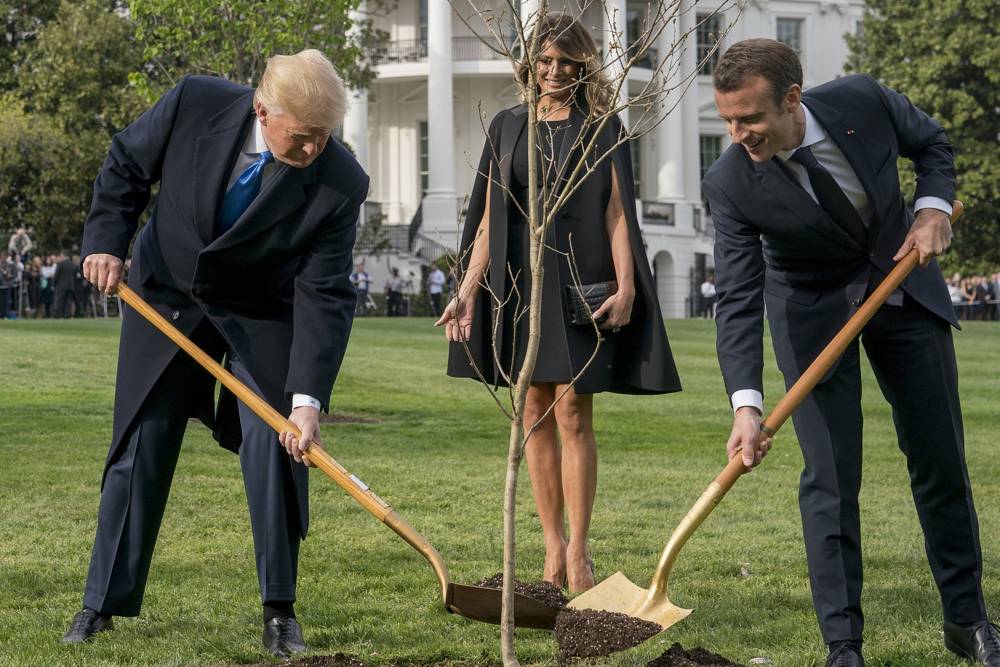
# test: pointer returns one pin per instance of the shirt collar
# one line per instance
(813, 135)
(255, 144)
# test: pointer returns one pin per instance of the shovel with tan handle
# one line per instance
(475, 602)
(617, 593)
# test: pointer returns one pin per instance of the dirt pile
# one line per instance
(676, 656)
(336, 660)
(546, 593)
(587, 633)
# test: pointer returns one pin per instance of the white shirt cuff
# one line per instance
(300, 400)
(932, 202)
(745, 397)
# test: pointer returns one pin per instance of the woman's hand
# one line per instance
(618, 310)
(457, 317)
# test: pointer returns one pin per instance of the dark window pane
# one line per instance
(708, 34)
(789, 31)
(710, 150)
(424, 159)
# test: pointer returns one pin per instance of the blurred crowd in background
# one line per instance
(975, 297)
(35, 285)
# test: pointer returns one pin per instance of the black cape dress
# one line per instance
(635, 360)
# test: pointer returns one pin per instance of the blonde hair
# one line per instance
(594, 90)
(305, 86)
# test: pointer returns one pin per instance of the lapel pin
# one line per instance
(850, 131)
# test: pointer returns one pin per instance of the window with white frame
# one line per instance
(789, 31)
(707, 33)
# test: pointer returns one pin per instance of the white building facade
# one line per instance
(419, 130)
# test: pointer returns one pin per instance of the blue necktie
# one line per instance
(242, 192)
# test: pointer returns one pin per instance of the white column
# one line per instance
(528, 9)
(689, 62)
(356, 119)
(440, 207)
(670, 133)
(356, 126)
(615, 28)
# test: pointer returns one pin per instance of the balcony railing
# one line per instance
(399, 51)
(462, 48)
(473, 48)
(657, 213)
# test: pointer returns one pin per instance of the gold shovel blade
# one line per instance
(618, 594)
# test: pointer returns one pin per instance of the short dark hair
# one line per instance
(775, 61)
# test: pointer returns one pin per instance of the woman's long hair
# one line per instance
(593, 90)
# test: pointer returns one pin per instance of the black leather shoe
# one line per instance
(979, 643)
(85, 625)
(283, 636)
(844, 655)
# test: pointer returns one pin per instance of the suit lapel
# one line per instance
(777, 185)
(279, 197)
(214, 156)
(851, 142)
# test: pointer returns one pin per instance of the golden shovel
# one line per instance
(617, 593)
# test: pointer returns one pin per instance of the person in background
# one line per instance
(394, 294)
(362, 282)
(708, 296)
(435, 287)
(20, 243)
(47, 281)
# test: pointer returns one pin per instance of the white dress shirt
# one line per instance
(829, 155)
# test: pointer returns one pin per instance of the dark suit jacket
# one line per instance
(775, 245)
(65, 274)
(275, 286)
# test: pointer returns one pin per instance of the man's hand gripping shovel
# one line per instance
(617, 593)
(475, 602)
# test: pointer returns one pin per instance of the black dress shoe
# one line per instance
(979, 643)
(283, 636)
(85, 625)
(844, 655)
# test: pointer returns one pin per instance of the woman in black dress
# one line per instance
(598, 229)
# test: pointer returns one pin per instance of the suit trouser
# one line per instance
(913, 357)
(137, 483)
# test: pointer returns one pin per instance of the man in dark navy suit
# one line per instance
(248, 252)
(809, 218)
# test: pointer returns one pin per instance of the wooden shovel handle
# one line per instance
(833, 350)
(316, 454)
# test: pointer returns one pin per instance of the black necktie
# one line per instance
(831, 197)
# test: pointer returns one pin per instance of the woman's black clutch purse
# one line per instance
(583, 300)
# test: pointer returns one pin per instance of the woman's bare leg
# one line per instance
(574, 417)
(544, 465)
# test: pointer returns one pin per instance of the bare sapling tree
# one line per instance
(511, 34)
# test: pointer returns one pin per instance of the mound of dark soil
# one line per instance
(586, 633)
(336, 660)
(676, 656)
(546, 593)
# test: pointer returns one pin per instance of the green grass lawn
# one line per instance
(437, 454)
